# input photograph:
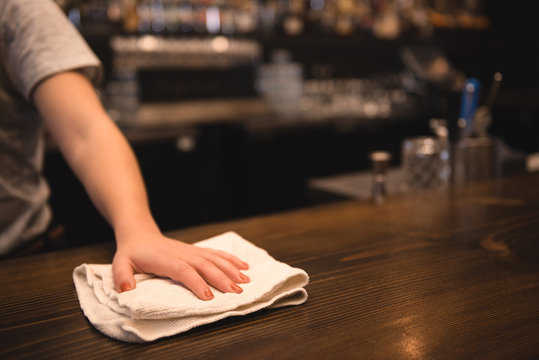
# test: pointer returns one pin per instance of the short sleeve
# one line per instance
(39, 41)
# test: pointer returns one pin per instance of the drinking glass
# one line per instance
(425, 162)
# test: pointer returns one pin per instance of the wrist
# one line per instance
(132, 227)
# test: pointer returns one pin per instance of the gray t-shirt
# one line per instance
(36, 42)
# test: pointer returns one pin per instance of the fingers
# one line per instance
(242, 265)
(203, 267)
(188, 276)
(214, 276)
(227, 267)
(122, 274)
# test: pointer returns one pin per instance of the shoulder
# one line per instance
(39, 41)
(13, 11)
(27, 18)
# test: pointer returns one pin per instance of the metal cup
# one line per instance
(476, 159)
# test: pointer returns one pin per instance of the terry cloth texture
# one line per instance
(160, 307)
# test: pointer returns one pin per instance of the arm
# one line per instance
(102, 159)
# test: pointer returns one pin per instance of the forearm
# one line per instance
(107, 167)
(96, 150)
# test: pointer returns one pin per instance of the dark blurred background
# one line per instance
(222, 132)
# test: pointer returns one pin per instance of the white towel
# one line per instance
(160, 307)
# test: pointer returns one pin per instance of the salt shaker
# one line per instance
(380, 164)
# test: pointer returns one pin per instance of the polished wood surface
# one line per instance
(438, 275)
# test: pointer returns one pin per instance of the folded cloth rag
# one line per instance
(160, 307)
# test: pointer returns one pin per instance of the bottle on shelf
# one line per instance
(385, 19)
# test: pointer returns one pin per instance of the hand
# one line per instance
(195, 267)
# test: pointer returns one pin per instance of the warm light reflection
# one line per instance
(220, 44)
(411, 341)
(412, 346)
(148, 43)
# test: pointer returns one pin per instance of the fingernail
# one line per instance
(245, 265)
(244, 278)
(208, 294)
(236, 289)
(125, 286)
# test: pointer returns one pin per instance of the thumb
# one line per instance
(122, 274)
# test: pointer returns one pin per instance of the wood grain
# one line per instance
(435, 275)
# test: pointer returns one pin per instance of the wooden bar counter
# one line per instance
(438, 275)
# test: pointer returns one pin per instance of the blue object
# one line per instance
(468, 105)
